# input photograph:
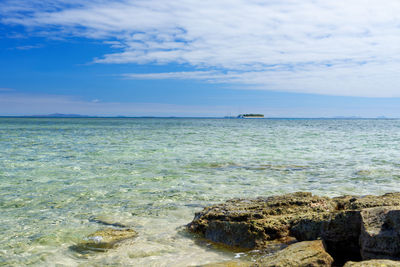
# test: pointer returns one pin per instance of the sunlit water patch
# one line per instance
(60, 179)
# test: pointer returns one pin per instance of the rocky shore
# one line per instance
(312, 230)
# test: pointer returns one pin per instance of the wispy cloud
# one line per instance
(325, 47)
(6, 89)
(28, 47)
(41, 104)
(196, 75)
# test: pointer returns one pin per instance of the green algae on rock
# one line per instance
(104, 239)
(368, 201)
(251, 223)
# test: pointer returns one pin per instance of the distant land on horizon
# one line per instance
(61, 115)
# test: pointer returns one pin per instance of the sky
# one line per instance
(281, 58)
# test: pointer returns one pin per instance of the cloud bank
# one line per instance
(349, 48)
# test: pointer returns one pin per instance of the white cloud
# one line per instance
(311, 46)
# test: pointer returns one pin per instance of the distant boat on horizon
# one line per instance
(250, 116)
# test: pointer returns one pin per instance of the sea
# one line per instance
(62, 178)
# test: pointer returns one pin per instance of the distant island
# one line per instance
(250, 116)
(61, 115)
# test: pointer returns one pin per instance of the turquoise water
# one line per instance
(56, 175)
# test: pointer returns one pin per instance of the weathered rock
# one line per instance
(373, 263)
(309, 226)
(380, 233)
(340, 231)
(369, 201)
(103, 240)
(251, 223)
(302, 254)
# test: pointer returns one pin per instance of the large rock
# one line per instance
(252, 223)
(343, 223)
(373, 263)
(302, 254)
(103, 240)
(380, 233)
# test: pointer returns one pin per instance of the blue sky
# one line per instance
(206, 58)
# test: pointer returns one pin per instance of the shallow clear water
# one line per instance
(153, 174)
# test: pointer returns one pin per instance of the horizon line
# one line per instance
(185, 117)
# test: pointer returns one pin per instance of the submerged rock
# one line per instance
(103, 240)
(302, 254)
(373, 263)
(230, 264)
